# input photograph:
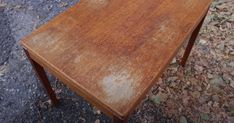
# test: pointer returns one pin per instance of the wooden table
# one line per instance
(111, 51)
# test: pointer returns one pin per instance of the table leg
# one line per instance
(43, 78)
(191, 43)
(117, 120)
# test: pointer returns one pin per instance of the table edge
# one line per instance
(72, 84)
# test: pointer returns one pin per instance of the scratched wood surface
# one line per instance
(111, 51)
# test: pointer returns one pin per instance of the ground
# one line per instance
(201, 92)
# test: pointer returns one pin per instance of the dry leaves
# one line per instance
(204, 90)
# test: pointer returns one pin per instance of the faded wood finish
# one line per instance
(111, 51)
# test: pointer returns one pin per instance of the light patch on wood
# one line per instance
(164, 27)
(119, 86)
(36, 39)
(96, 4)
(77, 59)
(48, 37)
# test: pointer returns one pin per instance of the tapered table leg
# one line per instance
(117, 120)
(43, 78)
(191, 43)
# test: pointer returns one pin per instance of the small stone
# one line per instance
(98, 112)
(232, 53)
(97, 121)
(232, 113)
(196, 94)
(3, 70)
(188, 83)
(160, 97)
(198, 68)
(199, 88)
(227, 78)
(160, 81)
(183, 119)
(173, 84)
(221, 6)
(231, 103)
(63, 4)
(163, 96)
(210, 76)
(217, 81)
(232, 18)
(82, 119)
(2, 5)
(210, 103)
(17, 7)
(202, 41)
(204, 108)
(173, 61)
(232, 73)
(185, 100)
(49, 102)
(204, 117)
(172, 79)
(230, 119)
(231, 64)
(232, 84)
(215, 104)
(155, 99)
(203, 99)
(215, 98)
(221, 46)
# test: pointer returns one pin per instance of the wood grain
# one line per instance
(112, 51)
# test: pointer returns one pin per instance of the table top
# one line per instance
(112, 51)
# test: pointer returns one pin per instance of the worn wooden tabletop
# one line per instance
(111, 51)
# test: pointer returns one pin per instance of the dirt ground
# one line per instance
(201, 92)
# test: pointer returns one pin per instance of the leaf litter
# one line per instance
(203, 91)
